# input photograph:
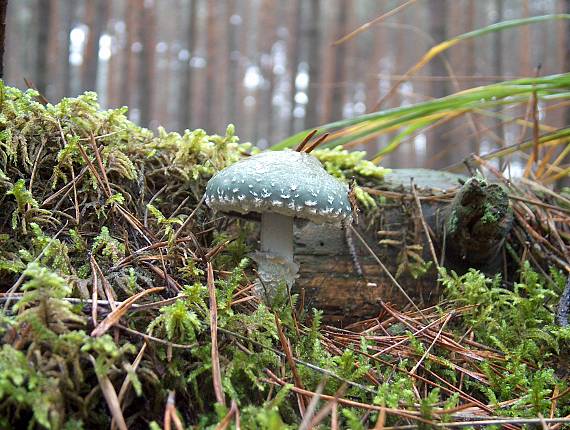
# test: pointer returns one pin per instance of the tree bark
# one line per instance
(498, 65)
(117, 62)
(97, 13)
(212, 67)
(314, 40)
(438, 145)
(185, 100)
(243, 117)
(3, 9)
(264, 105)
(147, 69)
(42, 54)
(68, 16)
(55, 46)
(127, 90)
(338, 92)
(294, 50)
(525, 45)
(567, 55)
(232, 64)
(470, 64)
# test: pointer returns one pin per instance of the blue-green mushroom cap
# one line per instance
(286, 182)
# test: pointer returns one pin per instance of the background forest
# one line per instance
(271, 67)
(127, 302)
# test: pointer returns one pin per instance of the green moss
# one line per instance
(51, 368)
(489, 215)
(345, 164)
(452, 222)
(339, 161)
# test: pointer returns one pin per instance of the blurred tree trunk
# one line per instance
(162, 70)
(89, 47)
(525, 66)
(44, 30)
(185, 102)
(232, 64)
(380, 50)
(68, 16)
(147, 67)
(567, 54)
(117, 61)
(96, 19)
(248, 45)
(246, 12)
(220, 119)
(55, 45)
(565, 181)
(498, 65)
(471, 66)
(438, 145)
(314, 41)
(3, 9)
(213, 68)
(398, 158)
(294, 49)
(339, 77)
(268, 25)
(127, 90)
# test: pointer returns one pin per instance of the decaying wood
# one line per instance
(476, 224)
(471, 227)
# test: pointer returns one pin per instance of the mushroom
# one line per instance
(281, 186)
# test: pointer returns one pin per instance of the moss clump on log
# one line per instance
(476, 224)
(110, 267)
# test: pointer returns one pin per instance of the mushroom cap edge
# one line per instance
(286, 182)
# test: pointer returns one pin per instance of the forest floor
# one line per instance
(127, 303)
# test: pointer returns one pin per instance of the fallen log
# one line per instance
(467, 224)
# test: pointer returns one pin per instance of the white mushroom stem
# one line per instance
(277, 235)
(275, 264)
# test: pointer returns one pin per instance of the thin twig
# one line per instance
(287, 348)
(405, 414)
(110, 397)
(426, 353)
(20, 279)
(535, 128)
(298, 361)
(306, 424)
(216, 372)
(95, 290)
(490, 422)
(127, 381)
(328, 408)
(100, 164)
(170, 413)
(371, 23)
(424, 225)
(385, 269)
(190, 217)
(156, 339)
(225, 422)
(114, 317)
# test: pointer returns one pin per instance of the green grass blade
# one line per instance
(423, 114)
